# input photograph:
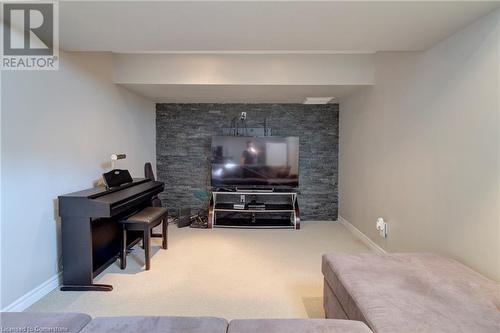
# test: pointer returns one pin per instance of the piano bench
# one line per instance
(144, 220)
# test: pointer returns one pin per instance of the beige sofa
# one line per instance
(409, 292)
(78, 322)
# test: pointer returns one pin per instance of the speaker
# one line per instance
(184, 217)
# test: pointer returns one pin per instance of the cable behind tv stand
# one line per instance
(254, 209)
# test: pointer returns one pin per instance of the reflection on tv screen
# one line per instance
(255, 161)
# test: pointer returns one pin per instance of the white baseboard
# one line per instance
(356, 232)
(34, 295)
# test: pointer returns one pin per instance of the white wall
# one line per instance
(58, 131)
(244, 69)
(421, 148)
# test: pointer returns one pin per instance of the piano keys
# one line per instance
(91, 234)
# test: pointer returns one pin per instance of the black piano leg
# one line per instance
(77, 255)
(123, 252)
(146, 241)
(90, 287)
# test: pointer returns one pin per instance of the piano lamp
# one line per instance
(116, 157)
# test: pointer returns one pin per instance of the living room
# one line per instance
(250, 166)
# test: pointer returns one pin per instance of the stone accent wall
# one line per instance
(183, 136)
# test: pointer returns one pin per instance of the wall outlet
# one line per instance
(242, 198)
(382, 227)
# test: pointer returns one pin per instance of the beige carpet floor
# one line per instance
(230, 273)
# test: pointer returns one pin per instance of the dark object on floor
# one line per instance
(184, 217)
(199, 220)
(145, 220)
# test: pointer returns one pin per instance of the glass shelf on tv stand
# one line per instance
(294, 211)
(254, 210)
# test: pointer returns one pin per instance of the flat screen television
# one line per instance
(255, 162)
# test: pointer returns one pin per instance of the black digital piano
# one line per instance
(91, 234)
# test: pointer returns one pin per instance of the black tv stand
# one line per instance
(281, 209)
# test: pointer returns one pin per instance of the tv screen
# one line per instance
(255, 162)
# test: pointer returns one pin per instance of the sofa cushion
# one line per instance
(42, 322)
(296, 326)
(413, 292)
(157, 325)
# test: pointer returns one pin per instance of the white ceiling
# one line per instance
(262, 26)
(192, 93)
(256, 27)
